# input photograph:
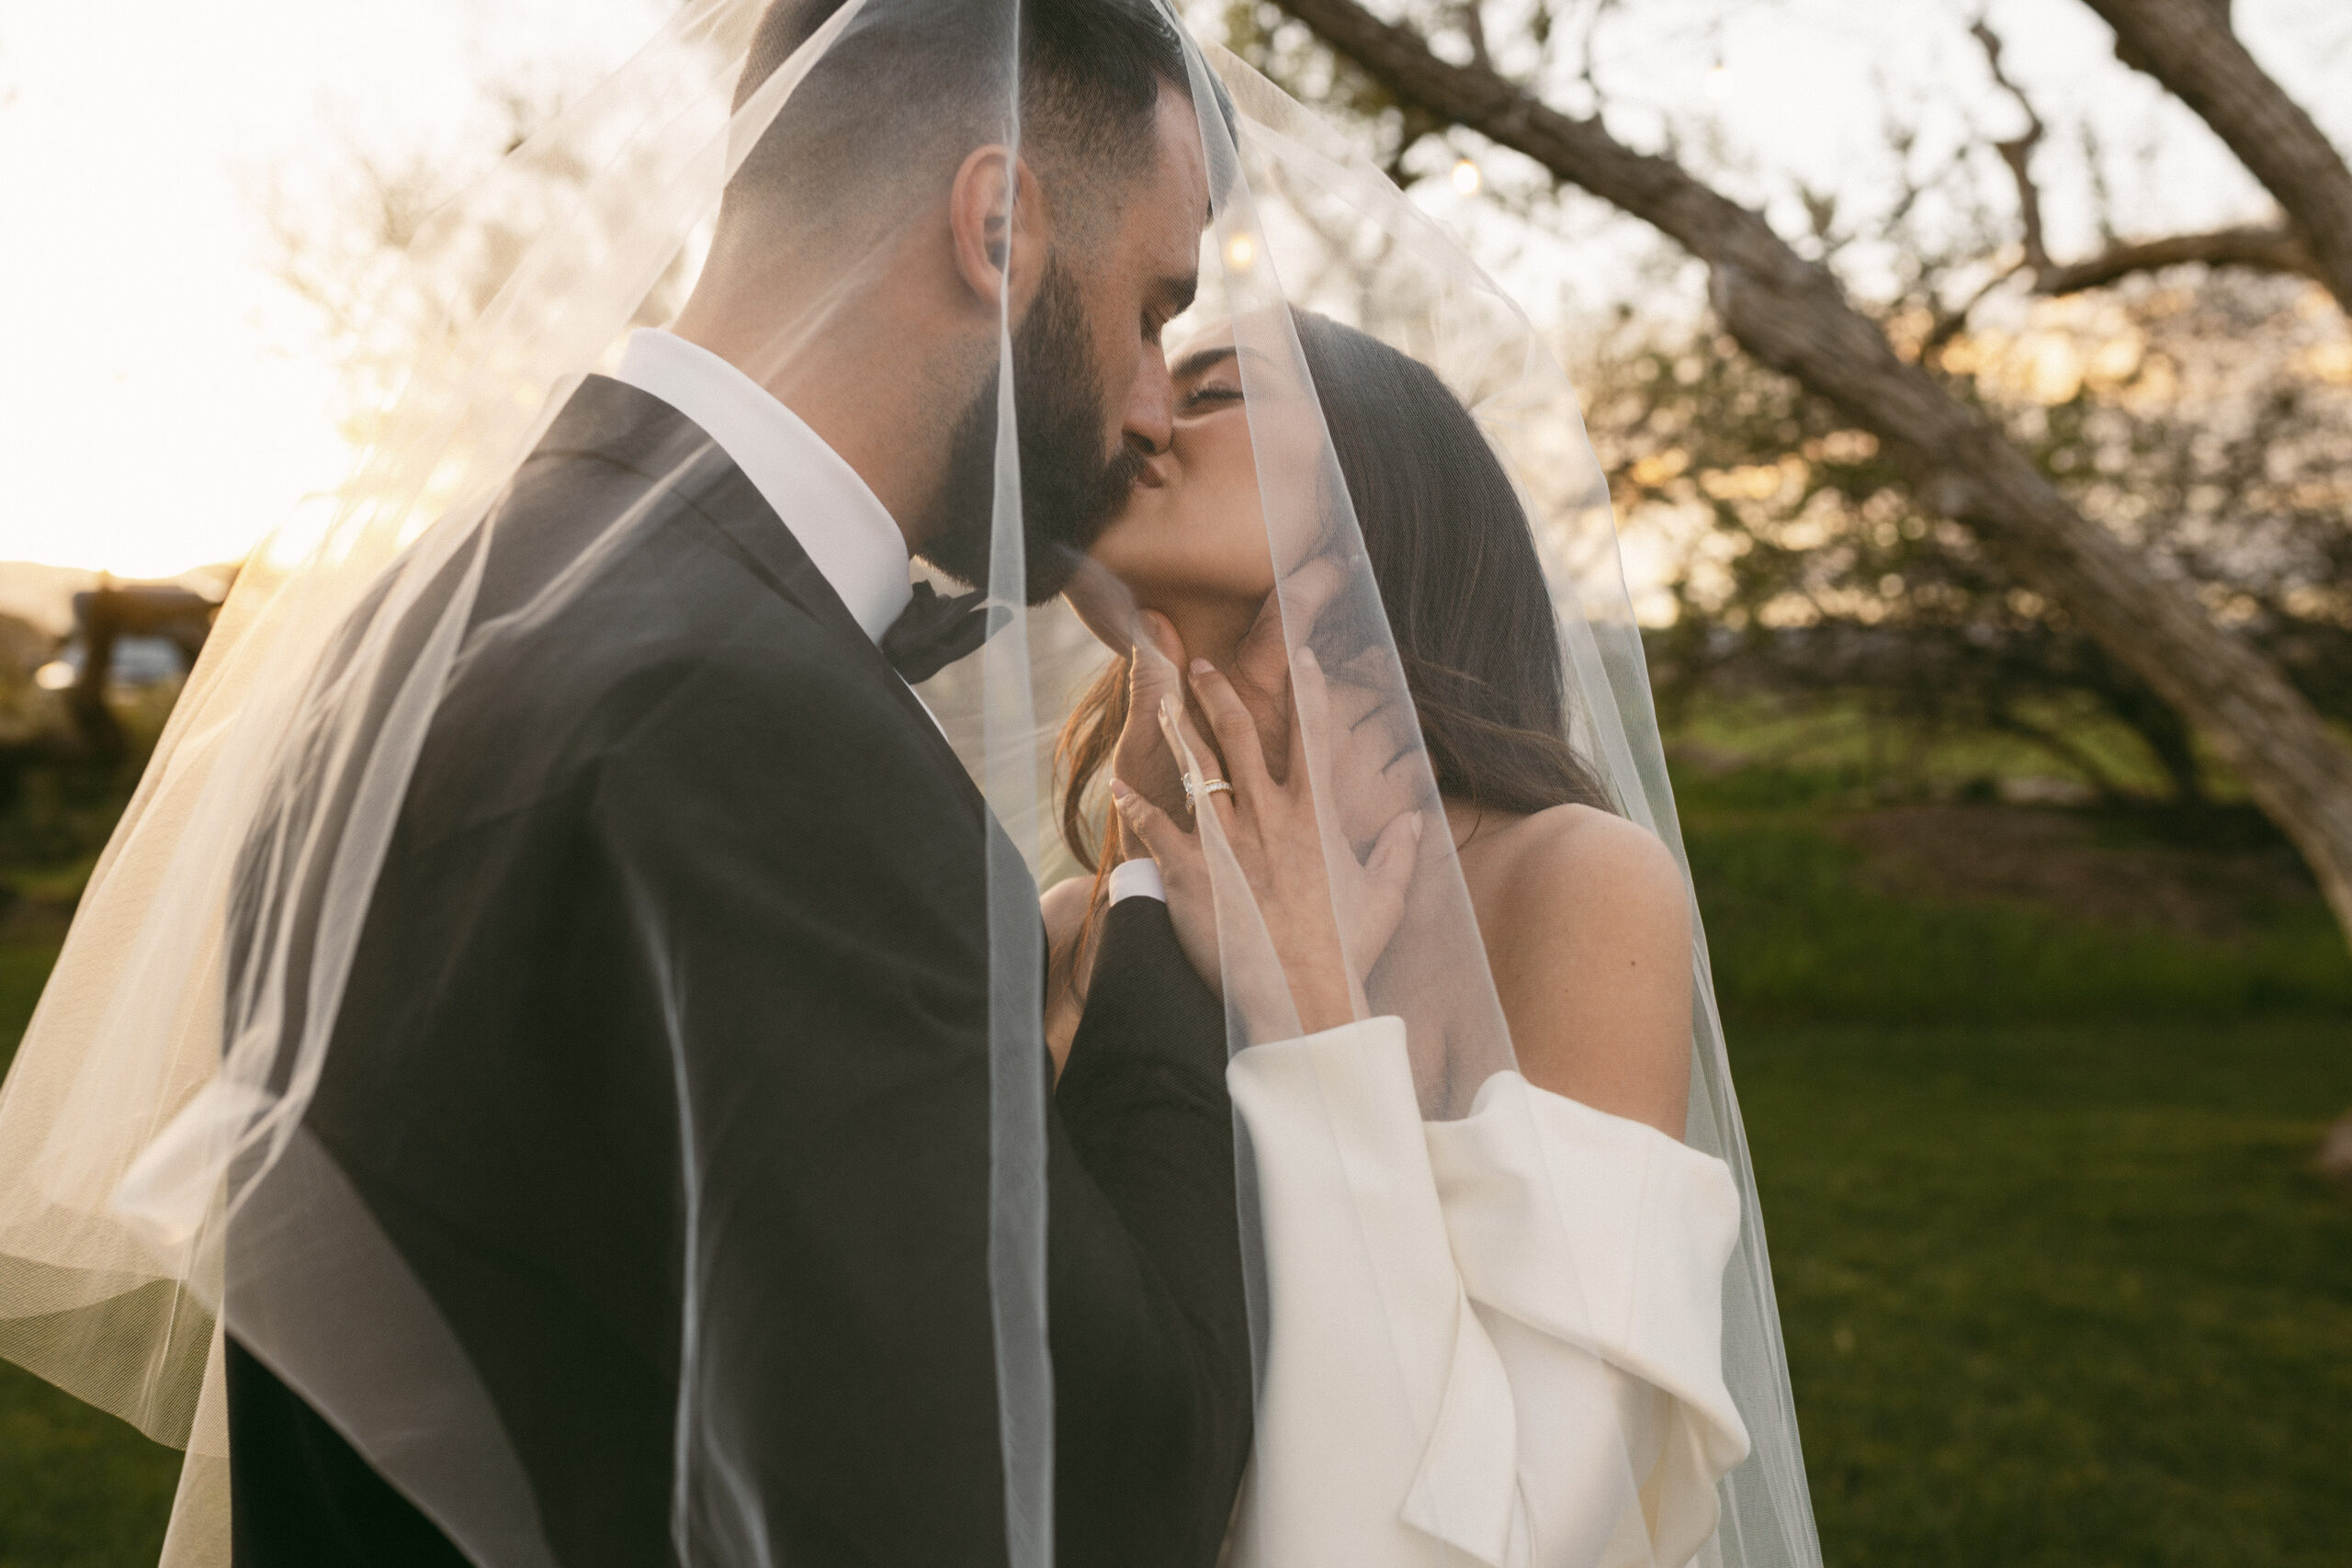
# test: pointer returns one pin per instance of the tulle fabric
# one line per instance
(161, 1092)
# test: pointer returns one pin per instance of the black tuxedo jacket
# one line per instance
(679, 838)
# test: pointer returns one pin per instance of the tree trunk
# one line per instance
(1792, 315)
(2189, 46)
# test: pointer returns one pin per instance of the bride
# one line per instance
(1584, 913)
(1620, 1419)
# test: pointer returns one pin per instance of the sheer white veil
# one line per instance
(158, 1099)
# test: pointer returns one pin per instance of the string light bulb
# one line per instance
(1240, 253)
(1467, 178)
(1718, 83)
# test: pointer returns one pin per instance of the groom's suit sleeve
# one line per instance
(1143, 1098)
(794, 873)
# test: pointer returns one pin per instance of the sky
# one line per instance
(165, 400)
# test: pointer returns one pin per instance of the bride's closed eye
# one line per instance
(1209, 394)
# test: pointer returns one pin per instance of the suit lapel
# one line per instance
(619, 423)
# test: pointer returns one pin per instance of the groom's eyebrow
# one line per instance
(1172, 295)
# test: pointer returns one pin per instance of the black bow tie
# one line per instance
(936, 629)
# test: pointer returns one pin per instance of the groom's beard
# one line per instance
(1071, 487)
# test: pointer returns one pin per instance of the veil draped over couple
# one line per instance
(566, 1059)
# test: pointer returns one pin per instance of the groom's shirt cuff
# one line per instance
(1138, 879)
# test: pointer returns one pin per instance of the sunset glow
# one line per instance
(168, 400)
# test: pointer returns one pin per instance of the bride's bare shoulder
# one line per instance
(1064, 906)
(1587, 922)
(1574, 863)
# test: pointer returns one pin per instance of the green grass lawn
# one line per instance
(78, 1489)
(2062, 1295)
(1804, 926)
(2059, 1283)
(2033, 1098)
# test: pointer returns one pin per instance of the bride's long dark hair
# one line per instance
(1453, 554)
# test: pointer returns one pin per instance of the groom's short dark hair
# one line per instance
(911, 85)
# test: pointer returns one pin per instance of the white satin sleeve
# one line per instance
(1495, 1340)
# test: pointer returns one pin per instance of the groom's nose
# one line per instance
(1149, 421)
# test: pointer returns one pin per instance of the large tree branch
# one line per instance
(2274, 248)
(2264, 248)
(2189, 46)
(1792, 314)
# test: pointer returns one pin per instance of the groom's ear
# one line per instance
(999, 226)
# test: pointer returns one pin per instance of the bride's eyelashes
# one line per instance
(1206, 395)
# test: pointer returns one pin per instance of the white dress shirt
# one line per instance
(846, 532)
(1138, 879)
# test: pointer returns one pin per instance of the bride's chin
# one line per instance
(1117, 554)
(1161, 569)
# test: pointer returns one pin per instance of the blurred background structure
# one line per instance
(1975, 385)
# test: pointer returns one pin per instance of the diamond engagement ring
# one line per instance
(1208, 787)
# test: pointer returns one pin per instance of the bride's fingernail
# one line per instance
(1202, 667)
(1119, 791)
(1418, 823)
(1306, 657)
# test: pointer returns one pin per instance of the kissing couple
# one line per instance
(594, 1078)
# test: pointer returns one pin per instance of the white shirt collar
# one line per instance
(846, 531)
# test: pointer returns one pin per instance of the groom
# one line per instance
(686, 878)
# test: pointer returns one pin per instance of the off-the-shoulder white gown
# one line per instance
(1496, 1340)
